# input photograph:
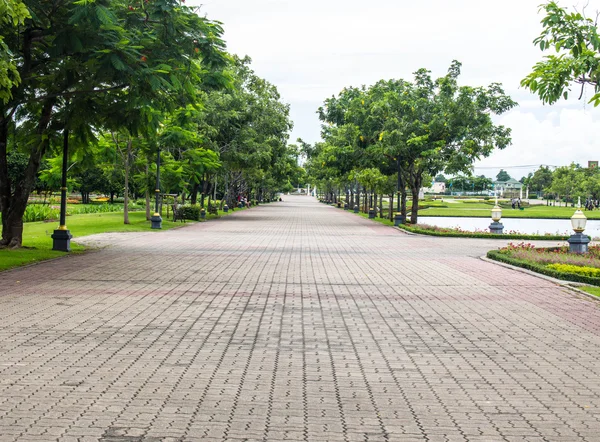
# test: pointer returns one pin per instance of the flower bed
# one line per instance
(426, 229)
(556, 261)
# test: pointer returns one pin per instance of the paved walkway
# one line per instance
(294, 321)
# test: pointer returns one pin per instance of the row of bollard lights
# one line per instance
(578, 242)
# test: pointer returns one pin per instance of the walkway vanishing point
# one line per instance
(294, 321)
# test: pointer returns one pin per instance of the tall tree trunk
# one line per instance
(194, 193)
(403, 195)
(13, 204)
(415, 186)
(126, 191)
(391, 207)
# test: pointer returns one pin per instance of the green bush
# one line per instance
(95, 208)
(497, 255)
(190, 212)
(40, 212)
(466, 234)
(579, 270)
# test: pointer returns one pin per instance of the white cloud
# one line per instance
(311, 49)
(557, 137)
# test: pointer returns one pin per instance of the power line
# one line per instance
(525, 166)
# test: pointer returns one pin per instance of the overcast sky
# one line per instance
(312, 49)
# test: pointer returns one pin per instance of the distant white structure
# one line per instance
(435, 188)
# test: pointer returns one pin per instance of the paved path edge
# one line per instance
(568, 284)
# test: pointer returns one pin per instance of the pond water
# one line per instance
(521, 225)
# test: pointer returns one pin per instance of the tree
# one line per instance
(440, 179)
(567, 182)
(574, 37)
(248, 126)
(91, 65)
(12, 14)
(541, 179)
(481, 183)
(455, 126)
(503, 176)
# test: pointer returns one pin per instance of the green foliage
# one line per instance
(12, 14)
(503, 176)
(408, 131)
(37, 236)
(541, 179)
(449, 233)
(191, 212)
(40, 212)
(498, 255)
(101, 65)
(578, 270)
(574, 38)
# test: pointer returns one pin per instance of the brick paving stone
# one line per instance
(293, 321)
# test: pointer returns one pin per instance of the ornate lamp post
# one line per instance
(156, 219)
(496, 227)
(61, 238)
(578, 242)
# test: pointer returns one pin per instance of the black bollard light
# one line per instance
(578, 242)
(398, 219)
(496, 226)
(61, 238)
(355, 209)
(156, 219)
(371, 213)
(225, 208)
(202, 213)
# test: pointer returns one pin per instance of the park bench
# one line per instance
(177, 213)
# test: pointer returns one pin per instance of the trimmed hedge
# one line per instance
(414, 229)
(190, 212)
(594, 272)
(497, 255)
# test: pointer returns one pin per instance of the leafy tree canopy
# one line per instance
(576, 60)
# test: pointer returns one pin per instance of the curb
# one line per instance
(567, 284)
(410, 233)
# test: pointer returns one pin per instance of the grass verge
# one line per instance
(465, 234)
(591, 290)
(38, 243)
(421, 231)
(498, 255)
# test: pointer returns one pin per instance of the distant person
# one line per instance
(519, 203)
(513, 203)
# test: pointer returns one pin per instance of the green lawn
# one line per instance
(480, 209)
(38, 243)
(591, 290)
(483, 210)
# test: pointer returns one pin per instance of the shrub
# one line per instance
(560, 255)
(94, 208)
(190, 212)
(40, 212)
(426, 229)
(579, 270)
(499, 255)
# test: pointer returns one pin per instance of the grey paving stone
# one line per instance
(294, 321)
